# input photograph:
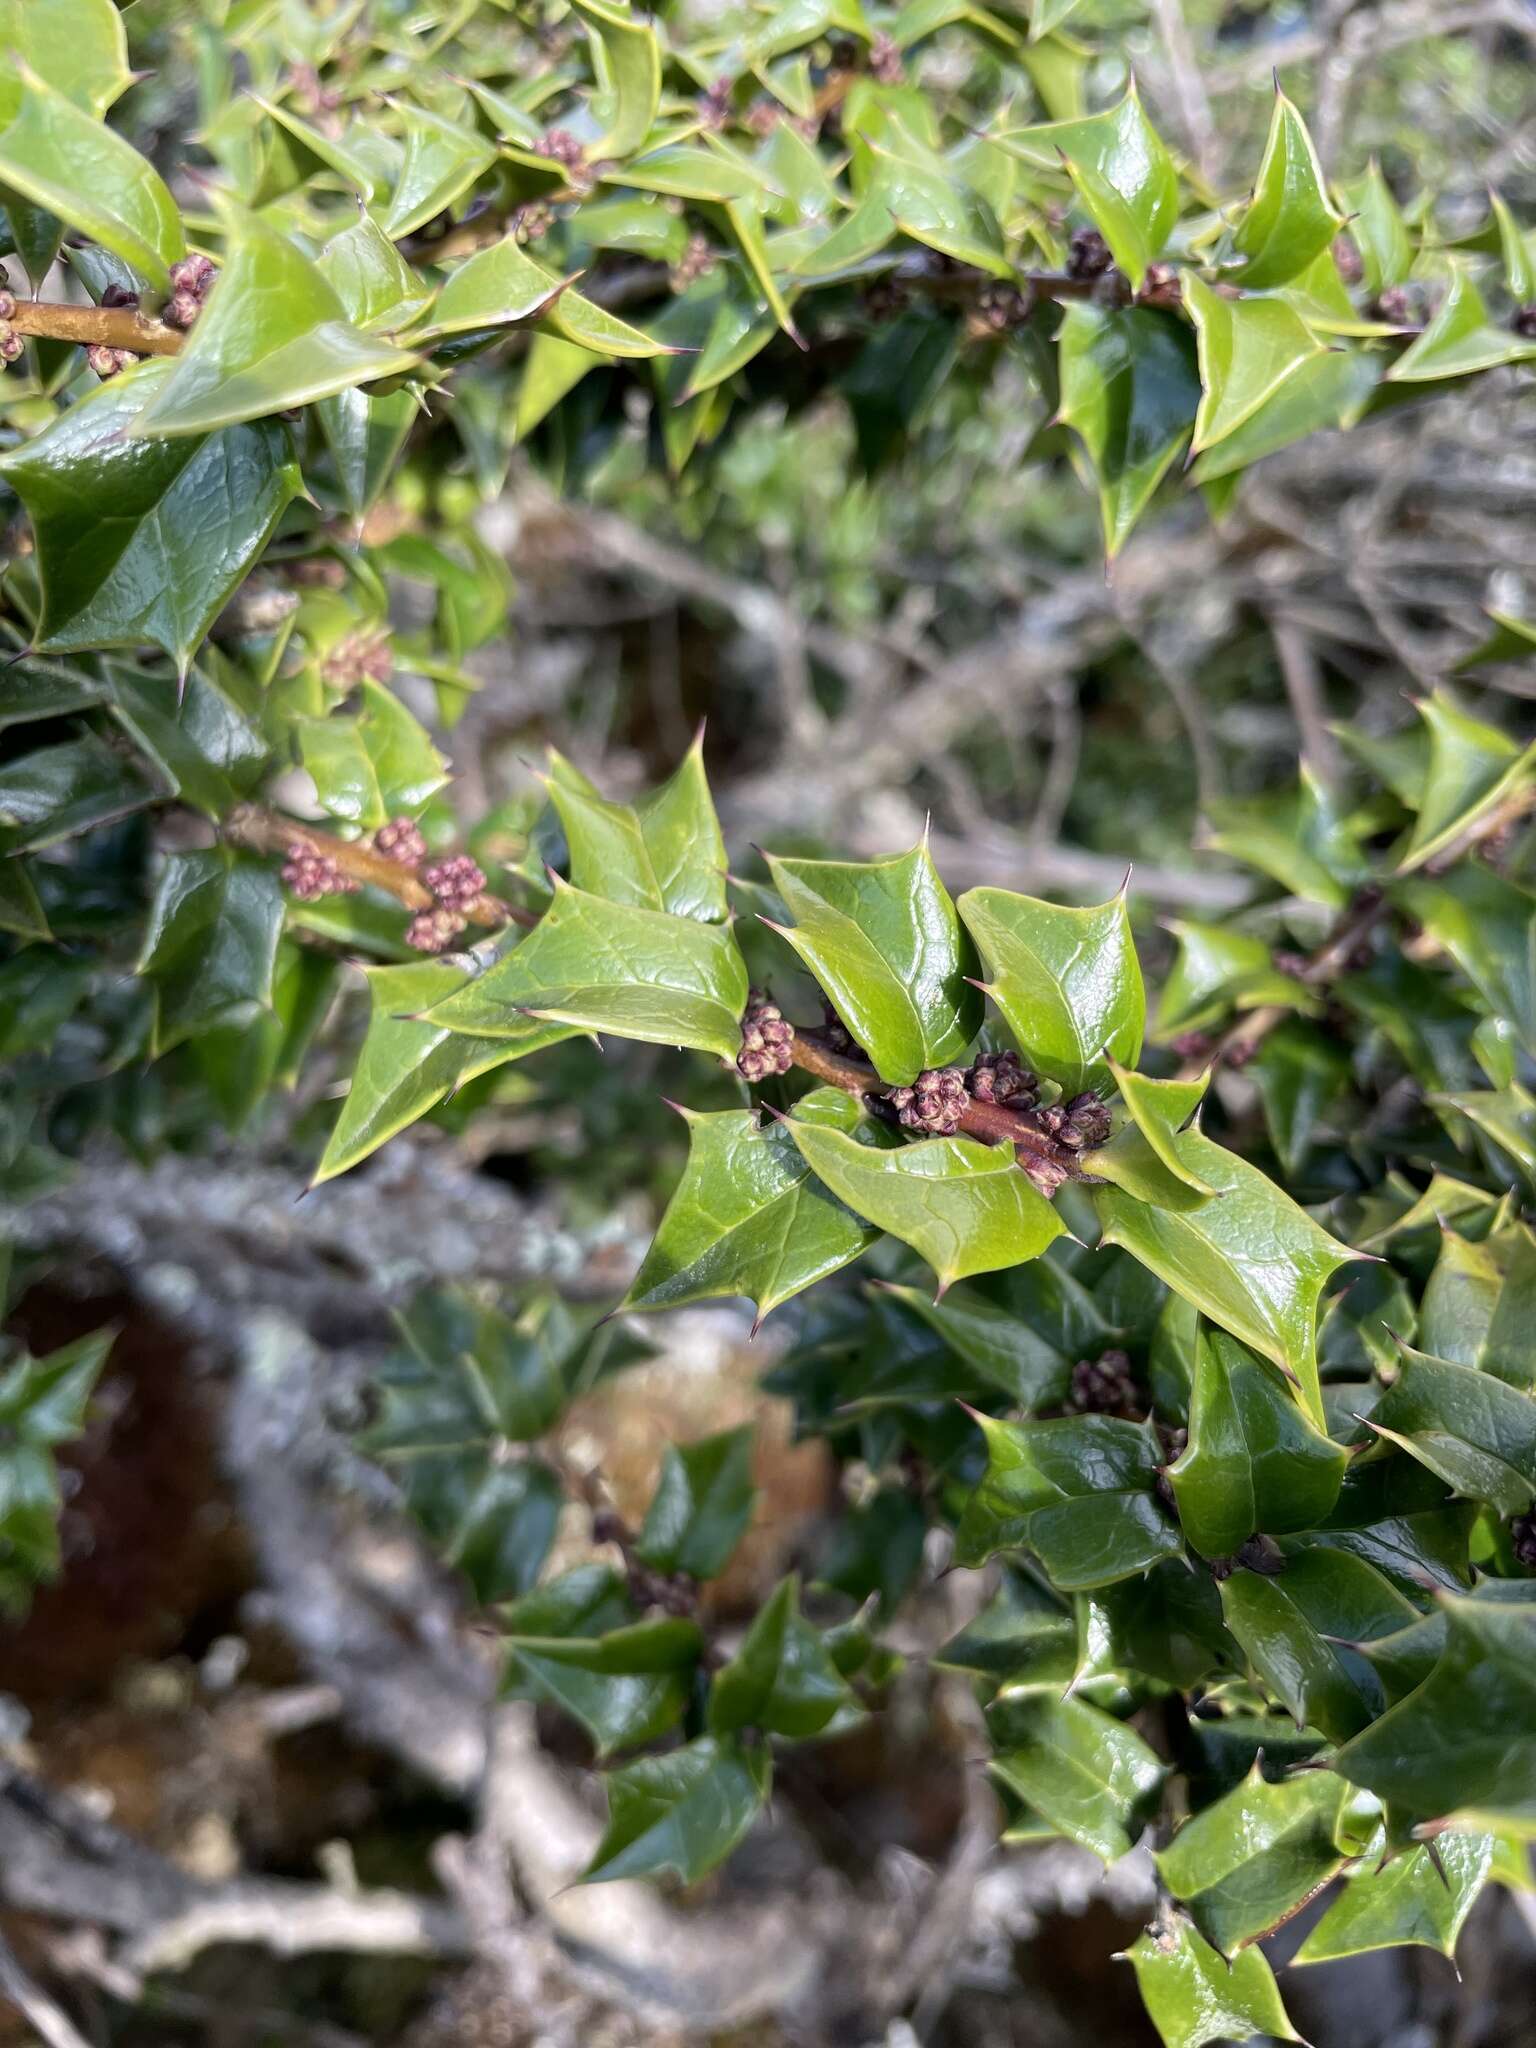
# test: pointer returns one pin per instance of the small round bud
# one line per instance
(714, 106)
(697, 260)
(1103, 1385)
(7, 306)
(309, 873)
(1522, 1536)
(1089, 254)
(1003, 1077)
(767, 1040)
(936, 1102)
(561, 145)
(1524, 322)
(455, 881)
(1193, 1045)
(433, 931)
(401, 840)
(764, 115)
(1394, 304)
(192, 274)
(12, 347)
(1346, 259)
(182, 310)
(885, 63)
(103, 360)
(117, 295)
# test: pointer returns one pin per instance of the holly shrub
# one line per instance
(1212, 1336)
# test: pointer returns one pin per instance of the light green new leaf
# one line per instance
(1218, 970)
(1291, 218)
(1194, 1996)
(62, 158)
(1421, 1899)
(1472, 768)
(602, 966)
(681, 1813)
(441, 162)
(627, 55)
(1124, 175)
(78, 46)
(663, 852)
(1330, 390)
(1248, 349)
(1253, 1461)
(1249, 1258)
(498, 287)
(211, 942)
(1460, 339)
(406, 1067)
(377, 288)
(883, 940)
(1080, 1492)
(702, 1505)
(1245, 1863)
(966, 1208)
(1067, 982)
(782, 1681)
(1300, 1630)
(1129, 389)
(1463, 1742)
(1378, 231)
(145, 540)
(1159, 1111)
(1090, 1776)
(273, 335)
(1515, 254)
(747, 1218)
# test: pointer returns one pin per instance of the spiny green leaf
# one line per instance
(78, 46)
(998, 1344)
(1460, 339)
(1515, 253)
(1129, 388)
(55, 792)
(782, 1680)
(1248, 348)
(1473, 1431)
(1193, 1995)
(663, 852)
(681, 1813)
(1472, 768)
(1420, 1899)
(211, 941)
(1291, 218)
(631, 66)
(966, 1208)
(1090, 1776)
(1067, 982)
(441, 161)
(883, 940)
(1247, 1862)
(1378, 230)
(1124, 176)
(702, 1505)
(1488, 927)
(377, 288)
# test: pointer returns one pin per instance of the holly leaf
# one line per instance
(1290, 219)
(966, 1208)
(372, 765)
(573, 1642)
(1193, 1995)
(273, 335)
(1079, 1492)
(1475, 1432)
(1459, 340)
(1301, 1631)
(1023, 1635)
(1249, 1258)
(498, 287)
(440, 162)
(1488, 927)
(782, 1681)
(1378, 231)
(1129, 389)
(1248, 1861)
(145, 540)
(627, 56)
(1089, 1775)
(682, 1813)
(406, 1066)
(210, 944)
(995, 1342)
(1296, 836)
(56, 792)
(663, 852)
(1472, 768)
(1463, 1742)
(748, 1217)
(78, 46)
(1420, 1899)
(1514, 253)
(1159, 1112)
(1249, 348)
(376, 286)
(1124, 177)
(1300, 1072)
(42, 1405)
(601, 966)
(1253, 1461)
(1067, 982)
(1219, 970)
(702, 1505)
(62, 158)
(883, 940)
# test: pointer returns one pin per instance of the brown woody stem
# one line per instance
(106, 326)
(265, 831)
(992, 1122)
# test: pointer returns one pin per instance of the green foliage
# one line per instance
(1231, 1364)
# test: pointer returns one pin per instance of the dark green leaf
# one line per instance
(681, 1813)
(782, 1681)
(702, 1505)
(1090, 1776)
(1249, 1861)
(211, 942)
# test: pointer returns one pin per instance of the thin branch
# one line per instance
(52, 2023)
(107, 326)
(1188, 85)
(1303, 685)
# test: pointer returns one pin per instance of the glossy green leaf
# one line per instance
(1129, 389)
(60, 157)
(601, 966)
(55, 792)
(144, 541)
(211, 942)
(200, 742)
(42, 1405)
(663, 852)
(782, 1681)
(1067, 982)
(631, 68)
(1514, 253)
(406, 1067)
(1464, 1741)
(1218, 970)
(1299, 837)
(1472, 768)
(1421, 1899)
(883, 940)
(1248, 349)
(1460, 339)
(1023, 1635)
(1079, 1492)
(377, 288)
(964, 1207)
(1090, 1776)
(996, 1343)
(1253, 1461)
(1329, 390)
(1193, 1995)
(1378, 230)
(373, 765)
(1301, 1072)
(1250, 1259)
(1291, 218)
(618, 1709)
(1475, 1432)
(1246, 1863)
(499, 287)
(78, 46)
(1160, 1110)
(702, 1505)
(441, 161)
(272, 335)
(682, 1813)
(748, 1218)
(1124, 176)
(1488, 927)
